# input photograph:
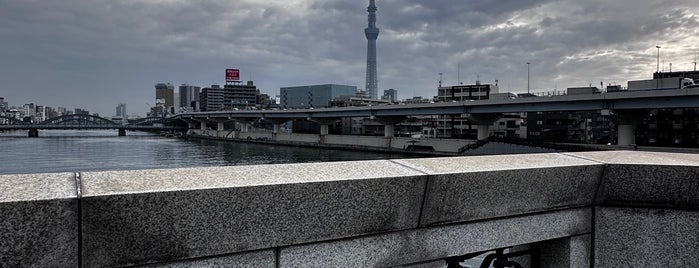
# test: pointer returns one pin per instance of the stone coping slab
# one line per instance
(640, 158)
(33, 187)
(652, 179)
(212, 211)
(182, 179)
(469, 196)
(471, 188)
(463, 164)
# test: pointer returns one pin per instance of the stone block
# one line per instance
(438, 242)
(568, 252)
(259, 259)
(643, 237)
(147, 216)
(473, 188)
(648, 179)
(431, 264)
(39, 222)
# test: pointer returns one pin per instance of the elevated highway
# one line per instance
(617, 104)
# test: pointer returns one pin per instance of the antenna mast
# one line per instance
(695, 60)
(458, 75)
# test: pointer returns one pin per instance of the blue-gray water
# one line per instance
(78, 151)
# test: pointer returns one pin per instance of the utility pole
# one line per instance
(528, 63)
(657, 69)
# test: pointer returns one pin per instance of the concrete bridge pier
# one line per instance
(33, 133)
(191, 124)
(220, 126)
(626, 124)
(245, 126)
(276, 126)
(122, 132)
(324, 127)
(202, 124)
(389, 123)
(484, 122)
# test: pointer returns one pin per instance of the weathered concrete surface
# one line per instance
(139, 217)
(411, 246)
(39, 220)
(568, 252)
(261, 259)
(472, 188)
(642, 237)
(648, 179)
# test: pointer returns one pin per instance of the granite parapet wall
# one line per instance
(380, 213)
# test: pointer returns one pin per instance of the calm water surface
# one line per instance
(77, 151)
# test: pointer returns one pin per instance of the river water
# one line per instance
(78, 151)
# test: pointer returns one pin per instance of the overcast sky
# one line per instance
(96, 54)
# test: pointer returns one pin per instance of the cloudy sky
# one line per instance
(96, 54)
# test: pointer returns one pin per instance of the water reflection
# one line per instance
(72, 151)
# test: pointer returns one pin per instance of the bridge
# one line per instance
(622, 106)
(85, 121)
(588, 209)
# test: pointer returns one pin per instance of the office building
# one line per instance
(476, 91)
(229, 97)
(3, 105)
(314, 96)
(165, 94)
(390, 95)
(189, 98)
(121, 110)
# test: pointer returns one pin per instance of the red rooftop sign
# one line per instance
(232, 75)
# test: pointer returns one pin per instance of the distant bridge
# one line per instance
(86, 121)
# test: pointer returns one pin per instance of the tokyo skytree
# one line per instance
(372, 33)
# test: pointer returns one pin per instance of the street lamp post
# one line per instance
(657, 70)
(528, 63)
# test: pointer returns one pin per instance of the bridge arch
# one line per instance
(79, 119)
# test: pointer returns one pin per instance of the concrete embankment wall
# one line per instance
(597, 209)
(339, 141)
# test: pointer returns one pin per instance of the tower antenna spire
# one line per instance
(371, 33)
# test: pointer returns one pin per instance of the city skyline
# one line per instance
(97, 55)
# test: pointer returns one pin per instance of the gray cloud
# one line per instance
(95, 54)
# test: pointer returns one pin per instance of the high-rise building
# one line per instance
(165, 94)
(390, 95)
(189, 98)
(372, 33)
(121, 110)
(3, 105)
(61, 111)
